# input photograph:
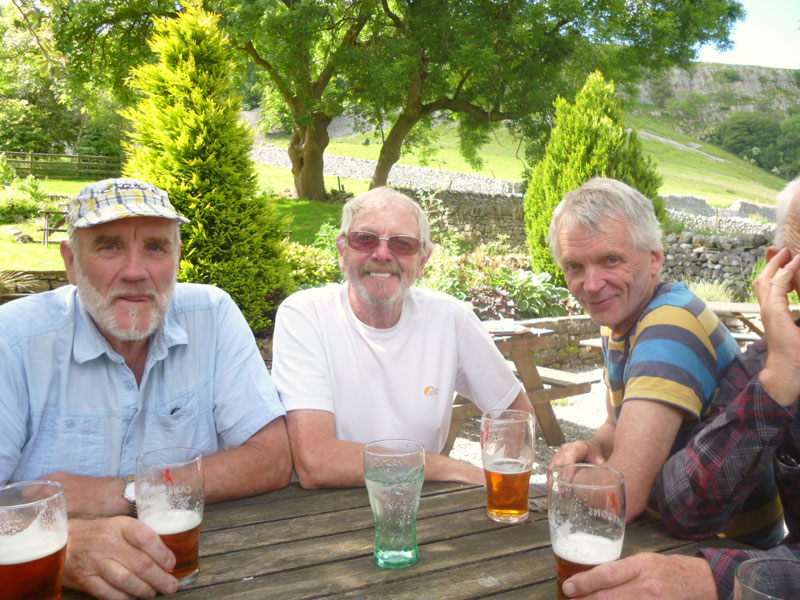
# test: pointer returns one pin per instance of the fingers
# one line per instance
(602, 577)
(140, 536)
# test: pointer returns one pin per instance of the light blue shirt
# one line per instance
(68, 401)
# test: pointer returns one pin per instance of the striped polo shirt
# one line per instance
(676, 352)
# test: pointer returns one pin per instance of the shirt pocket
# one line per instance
(174, 422)
(72, 443)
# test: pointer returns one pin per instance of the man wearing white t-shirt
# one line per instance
(375, 358)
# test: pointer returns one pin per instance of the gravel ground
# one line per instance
(578, 416)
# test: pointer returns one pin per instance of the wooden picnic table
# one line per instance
(54, 221)
(749, 313)
(301, 544)
(518, 346)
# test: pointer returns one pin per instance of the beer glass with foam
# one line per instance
(767, 579)
(169, 499)
(33, 540)
(507, 454)
(586, 514)
(394, 471)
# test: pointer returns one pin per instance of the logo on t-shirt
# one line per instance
(431, 391)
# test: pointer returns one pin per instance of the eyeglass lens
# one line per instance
(364, 241)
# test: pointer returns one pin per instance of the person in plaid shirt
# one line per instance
(702, 488)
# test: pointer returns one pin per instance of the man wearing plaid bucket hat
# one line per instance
(123, 361)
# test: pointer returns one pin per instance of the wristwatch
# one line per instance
(129, 493)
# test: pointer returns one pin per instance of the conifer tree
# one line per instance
(588, 139)
(187, 139)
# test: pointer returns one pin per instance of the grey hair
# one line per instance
(599, 199)
(384, 196)
(782, 203)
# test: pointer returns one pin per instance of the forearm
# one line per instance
(261, 464)
(698, 495)
(329, 464)
(603, 440)
(90, 497)
(443, 468)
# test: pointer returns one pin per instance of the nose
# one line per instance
(133, 266)
(382, 251)
(593, 279)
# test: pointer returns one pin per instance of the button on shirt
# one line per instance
(70, 403)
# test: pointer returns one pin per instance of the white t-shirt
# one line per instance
(386, 383)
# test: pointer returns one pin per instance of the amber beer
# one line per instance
(577, 552)
(180, 531)
(507, 490)
(31, 563)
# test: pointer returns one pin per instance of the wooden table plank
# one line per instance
(301, 545)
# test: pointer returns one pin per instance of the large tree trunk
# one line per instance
(306, 149)
(390, 150)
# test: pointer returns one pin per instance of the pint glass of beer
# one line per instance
(33, 540)
(587, 517)
(170, 500)
(507, 453)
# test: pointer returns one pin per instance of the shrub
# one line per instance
(187, 139)
(7, 173)
(588, 140)
(726, 75)
(315, 265)
(15, 206)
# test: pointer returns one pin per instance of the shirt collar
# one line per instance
(88, 343)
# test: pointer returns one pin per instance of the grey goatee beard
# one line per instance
(101, 310)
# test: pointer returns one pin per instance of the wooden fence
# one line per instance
(64, 166)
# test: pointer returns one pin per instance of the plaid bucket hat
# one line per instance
(113, 199)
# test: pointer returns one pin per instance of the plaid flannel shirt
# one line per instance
(702, 488)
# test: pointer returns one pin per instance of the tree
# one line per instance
(588, 140)
(397, 63)
(34, 115)
(187, 139)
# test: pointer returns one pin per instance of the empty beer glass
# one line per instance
(394, 471)
(33, 540)
(507, 453)
(587, 517)
(767, 579)
(170, 497)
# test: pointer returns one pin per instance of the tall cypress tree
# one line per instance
(187, 139)
(588, 140)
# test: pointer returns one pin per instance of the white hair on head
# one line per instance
(783, 202)
(600, 199)
(385, 196)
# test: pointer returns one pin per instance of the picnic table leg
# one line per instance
(545, 417)
(457, 420)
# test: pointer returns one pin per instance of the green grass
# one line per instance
(30, 257)
(688, 172)
(306, 217)
(500, 155)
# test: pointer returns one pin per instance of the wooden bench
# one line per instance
(562, 384)
(54, 221)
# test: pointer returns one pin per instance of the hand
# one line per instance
(117, 559)
(576, 452)
(780, 376)
(92, 496)
(645, 576)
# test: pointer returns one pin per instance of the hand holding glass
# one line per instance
(394, 471)
(33, 540)
(507, 452)
(170, 497)
(587, 518)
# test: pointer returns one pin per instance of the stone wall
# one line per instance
(40, 281)
(562, 349)
(483, 217)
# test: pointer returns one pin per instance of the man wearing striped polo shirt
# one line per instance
(665, 351)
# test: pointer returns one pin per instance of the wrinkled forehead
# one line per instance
(791, 232)
(387, 214)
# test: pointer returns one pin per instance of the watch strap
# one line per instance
(132, 510)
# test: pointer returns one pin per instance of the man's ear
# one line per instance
(69, 260)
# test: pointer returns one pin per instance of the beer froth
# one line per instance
(30, 544)
(585, 548)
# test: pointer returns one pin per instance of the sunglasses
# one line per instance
(364, 241)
